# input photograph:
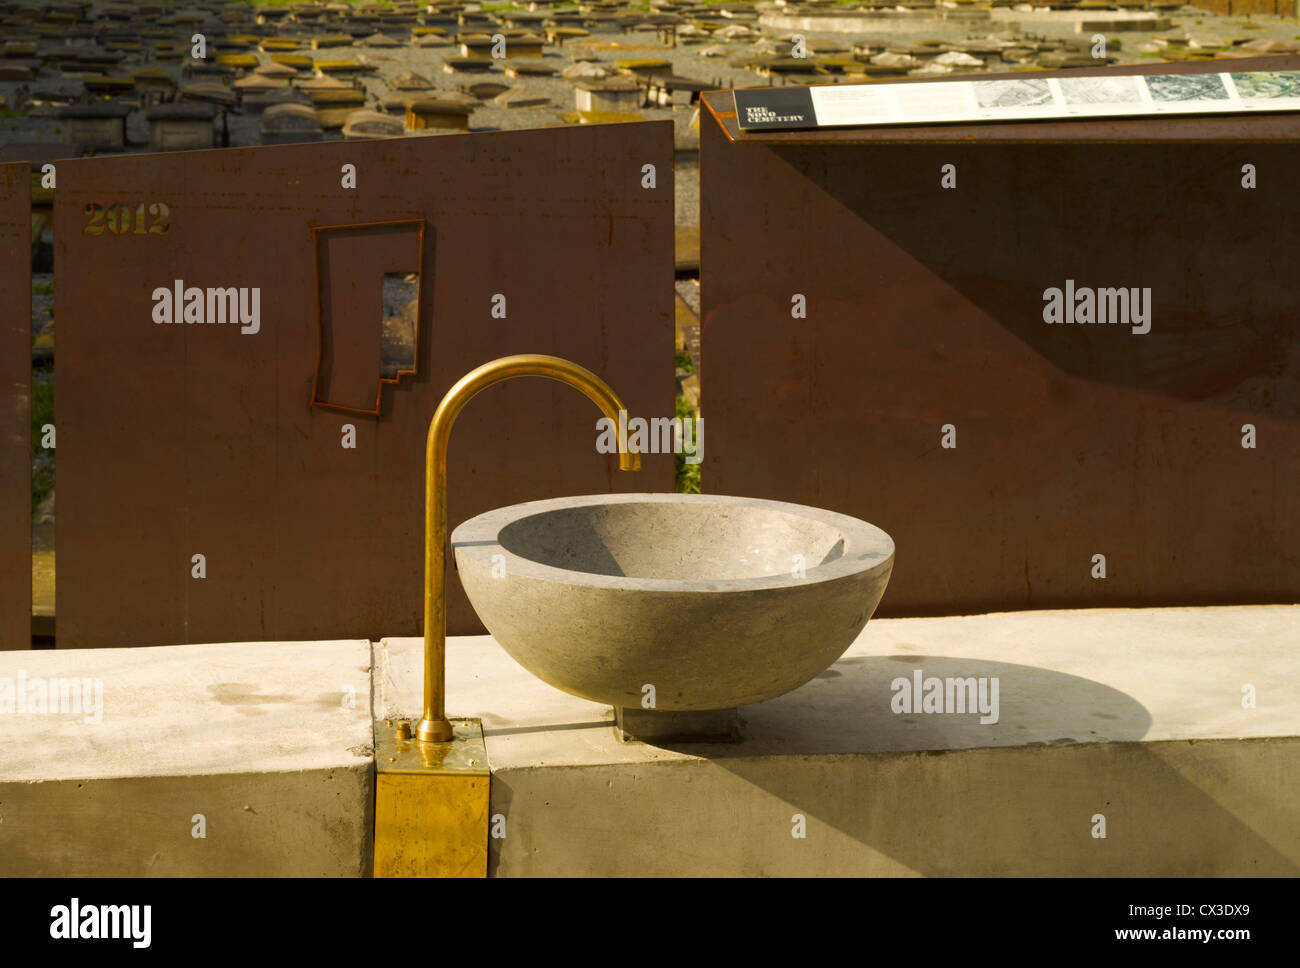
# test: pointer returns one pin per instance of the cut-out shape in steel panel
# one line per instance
(924, 311)
(353, 263)
(203, 498)
(15, 407)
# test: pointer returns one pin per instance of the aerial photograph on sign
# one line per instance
(1099, 90)
(1019, 93)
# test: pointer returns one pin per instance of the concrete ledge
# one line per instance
(269, 742)
(1134, 715)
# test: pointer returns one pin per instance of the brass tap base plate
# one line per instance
(465, 753)
(431, 803)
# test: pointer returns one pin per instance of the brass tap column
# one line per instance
(434, 727)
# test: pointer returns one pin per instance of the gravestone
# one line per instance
(437, 113)
(15, 71)
(614, 94)
(362, 125)
(259, 84)
(410, 81)
(529, 67)
(280, 72)
(98, 126)
(153, 84)
(466, 65)
(525, 45)
(483, 90)
(209, 93)
(300, 62)
(521, 97)
(379, 41)
(181, 127)
(477, 46)
(292, 123)
(182, 439)
(331, 40)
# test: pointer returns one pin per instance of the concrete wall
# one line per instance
(271, 743)
(1213, 808)
(1137, 716)
(1133, 715)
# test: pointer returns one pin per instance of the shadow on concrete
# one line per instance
(848, 709)
(925, 308)
(1023, 797)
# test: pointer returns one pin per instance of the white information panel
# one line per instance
(1017, 99)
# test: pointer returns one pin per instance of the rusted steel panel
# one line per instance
(15, 403)
(925, 308)
(186, 439)
(1241, 8)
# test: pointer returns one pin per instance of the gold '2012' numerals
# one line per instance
(122, 220)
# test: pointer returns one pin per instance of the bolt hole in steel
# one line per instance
(716, 602)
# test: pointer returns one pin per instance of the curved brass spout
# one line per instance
(434, 726)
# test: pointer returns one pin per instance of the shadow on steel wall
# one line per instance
(925, 310)
(1163, 217)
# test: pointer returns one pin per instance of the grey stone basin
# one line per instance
(702, 597)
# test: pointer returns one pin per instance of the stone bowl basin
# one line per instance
(715, 602)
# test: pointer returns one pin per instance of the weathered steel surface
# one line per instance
(1242, 8)
(179, 440)
(15, 402)
(925, 308)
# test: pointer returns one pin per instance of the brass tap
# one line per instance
(434, 726)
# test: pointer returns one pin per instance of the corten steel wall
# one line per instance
(1237, 8)
(177, 440)
(15, 401)
(924, 308)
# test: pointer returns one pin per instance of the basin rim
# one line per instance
(867, 547)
